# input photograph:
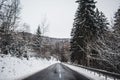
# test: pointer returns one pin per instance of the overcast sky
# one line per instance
(59, 14)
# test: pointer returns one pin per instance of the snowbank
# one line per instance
(90, 74)
(12, 68)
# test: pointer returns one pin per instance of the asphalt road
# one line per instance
(57, 71)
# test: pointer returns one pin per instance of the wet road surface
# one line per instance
(57, 71)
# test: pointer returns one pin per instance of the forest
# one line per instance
(95, 41)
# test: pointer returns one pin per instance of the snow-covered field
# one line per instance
(90, 74)
(12, 68)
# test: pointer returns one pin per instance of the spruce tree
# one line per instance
(102, 23)
(117, 21)
(38, 39)
(84, 30)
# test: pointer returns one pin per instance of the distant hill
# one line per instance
(56, 47)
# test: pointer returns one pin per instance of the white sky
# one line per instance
(59, 14)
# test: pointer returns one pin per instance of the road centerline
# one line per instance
(60, 76)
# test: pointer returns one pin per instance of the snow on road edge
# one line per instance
(87, 73)
(12, 68)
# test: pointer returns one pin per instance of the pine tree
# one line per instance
(84, 30)
(38, 39)
(102, 23)
(117, 22)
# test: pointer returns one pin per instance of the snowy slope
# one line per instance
(90, 74)
(12, 68)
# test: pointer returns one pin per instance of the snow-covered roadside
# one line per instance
(89, 74)
(12, 68)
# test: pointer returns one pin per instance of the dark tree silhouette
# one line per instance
(84, 30)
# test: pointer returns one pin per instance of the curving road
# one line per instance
(57, 71)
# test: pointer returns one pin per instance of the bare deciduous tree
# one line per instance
(9, 11)
(44, 26)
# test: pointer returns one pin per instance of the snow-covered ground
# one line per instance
(12, 68)
(90, 74)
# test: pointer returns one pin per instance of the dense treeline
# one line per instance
(93, 42)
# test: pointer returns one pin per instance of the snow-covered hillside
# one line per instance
(12, 68)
